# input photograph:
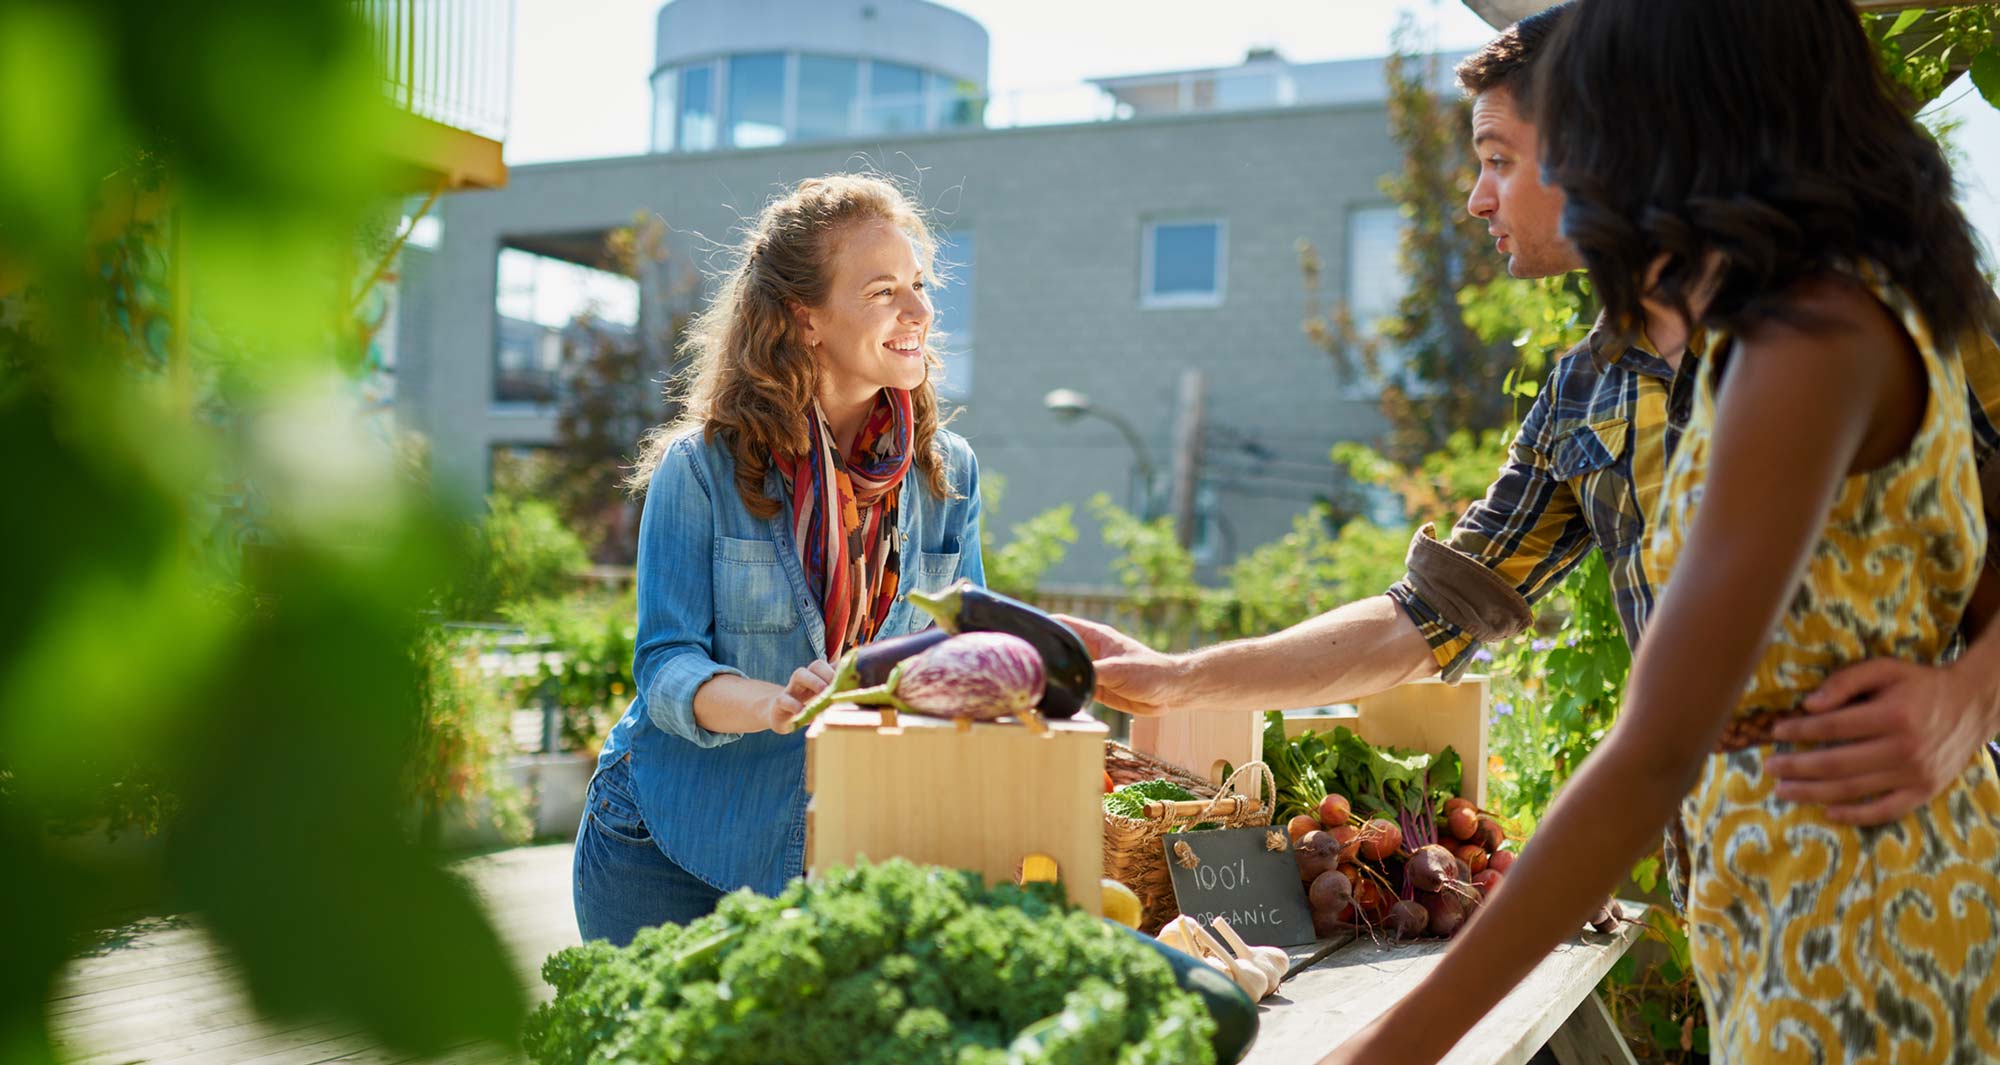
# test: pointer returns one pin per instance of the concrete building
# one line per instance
(1158, 234)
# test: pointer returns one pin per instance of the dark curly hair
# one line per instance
(1508, 61)
(1762, 133)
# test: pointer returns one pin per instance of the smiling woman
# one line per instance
(805, 487)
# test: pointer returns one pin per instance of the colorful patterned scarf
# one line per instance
(846, 537)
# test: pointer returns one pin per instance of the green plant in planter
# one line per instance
(590, 636)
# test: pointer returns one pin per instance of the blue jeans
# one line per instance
(622, 882)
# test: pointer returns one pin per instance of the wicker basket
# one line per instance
(1132, 851)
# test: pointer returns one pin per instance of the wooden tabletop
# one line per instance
(1327, 1000)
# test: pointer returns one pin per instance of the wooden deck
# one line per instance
(162, 995)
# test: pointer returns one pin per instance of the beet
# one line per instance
(1371, 902)
(1408, 919)
(1447, 913)
(1487, 882)
(1349, 839)
(1491, 835)
(1331, 892)
(1474, 857)
(1500, 861)
(1334, 810)
(1315, 854)
(1300, 825)
(1458, 802)
(1430, 867)
(1608, 916)
(1324, 926)
(1379, 839)
(1461, 823)
(1462, 871)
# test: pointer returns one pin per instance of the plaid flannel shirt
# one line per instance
(1585, 471)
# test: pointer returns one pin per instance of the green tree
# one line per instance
(215, 570)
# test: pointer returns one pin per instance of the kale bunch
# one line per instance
(889, 964)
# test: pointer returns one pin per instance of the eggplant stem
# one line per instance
(942, 607)
(858, 696)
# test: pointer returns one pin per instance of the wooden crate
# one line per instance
(977, 798)
(1426, 715)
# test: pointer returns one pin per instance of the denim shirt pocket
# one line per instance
(1588, 458)
(751, 592)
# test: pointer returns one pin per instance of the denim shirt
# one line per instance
(722, 591)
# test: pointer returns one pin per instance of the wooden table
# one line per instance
(1337, 987)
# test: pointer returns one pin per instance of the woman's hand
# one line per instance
(788, 702)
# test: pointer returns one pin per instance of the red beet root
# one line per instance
(1316, 853)
(1447, 913)
(1408, 919)
(1474, 857)
(1330, 892)
(1430, 867)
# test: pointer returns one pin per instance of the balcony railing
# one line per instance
(447, 60)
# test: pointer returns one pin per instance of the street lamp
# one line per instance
(1068, 404)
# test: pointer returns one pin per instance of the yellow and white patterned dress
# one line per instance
(1815, 942)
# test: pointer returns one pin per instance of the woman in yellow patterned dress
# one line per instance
(1822, 509)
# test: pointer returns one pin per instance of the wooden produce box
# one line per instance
(1426, 715)
(976, 798)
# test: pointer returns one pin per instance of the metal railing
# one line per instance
(450, 61)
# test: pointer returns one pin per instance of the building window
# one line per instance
(757, 100)
(697, 126)
(1183, 263)
(538, 302)
(1375, 280)
(951, 103)
(951, 300)
(895, 98)
(666, 84)
(828, 89)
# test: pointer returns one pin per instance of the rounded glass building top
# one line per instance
(754, 73)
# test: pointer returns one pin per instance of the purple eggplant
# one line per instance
(979, 676)
(874, 661)
(965, 607)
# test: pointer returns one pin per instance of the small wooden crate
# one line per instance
(976, 798)
(1425, 715)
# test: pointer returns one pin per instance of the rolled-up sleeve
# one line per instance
(1479, 583)
(674, 656)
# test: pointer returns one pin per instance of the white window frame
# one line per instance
(1152, 300)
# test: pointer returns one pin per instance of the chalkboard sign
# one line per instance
(1247, 875)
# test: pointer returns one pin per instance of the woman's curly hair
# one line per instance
(751, 381)
(1759, 135)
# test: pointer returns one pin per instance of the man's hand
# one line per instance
(1899, 734)
(1131, 676)
(789, 702)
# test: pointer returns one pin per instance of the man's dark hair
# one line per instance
(1772, 141)
(1508, 61)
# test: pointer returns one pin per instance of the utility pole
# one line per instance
(1187, 454)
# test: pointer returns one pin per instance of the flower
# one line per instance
(1540, 645)
(1482, 655)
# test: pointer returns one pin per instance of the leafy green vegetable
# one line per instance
(891, 964)
(1377, 781)
(1131, 800)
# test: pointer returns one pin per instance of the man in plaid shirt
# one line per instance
(1584, 472)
